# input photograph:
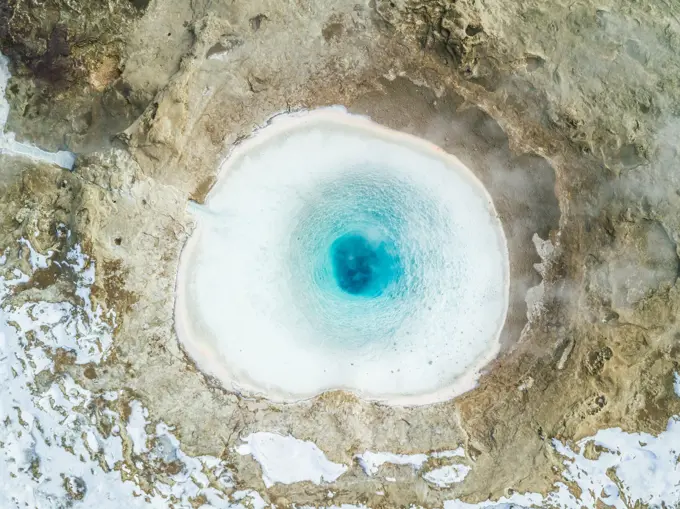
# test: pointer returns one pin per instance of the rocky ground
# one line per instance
(568, 111)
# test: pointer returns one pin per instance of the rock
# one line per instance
(561, 109)
(646, 261)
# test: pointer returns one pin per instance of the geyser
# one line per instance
(334, 253)
(362, 266)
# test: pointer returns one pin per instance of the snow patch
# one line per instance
(371, 462)
(37, 260)
(447, 475)
(646, 469)
(342, 506)
(516, 501)
(287, 460)
(252, 498)
(79, 329)
(136, 427)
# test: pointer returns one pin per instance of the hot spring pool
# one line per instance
(334, 253)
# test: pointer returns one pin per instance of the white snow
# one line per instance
(516, 501)
(43, 430)
(250, 497)
(371, 462)
(442, 476)
(676, 384)
(342, 506)
(646, 468)
(37, 260)
(85, 333)
(447, 475)
(287, 460)
(136, 427)
(53, 453)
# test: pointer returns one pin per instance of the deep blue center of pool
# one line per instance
(363, 267)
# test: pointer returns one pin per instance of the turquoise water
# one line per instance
(364, 266)
(358, 254)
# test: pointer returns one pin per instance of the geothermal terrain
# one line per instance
(118, 117)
